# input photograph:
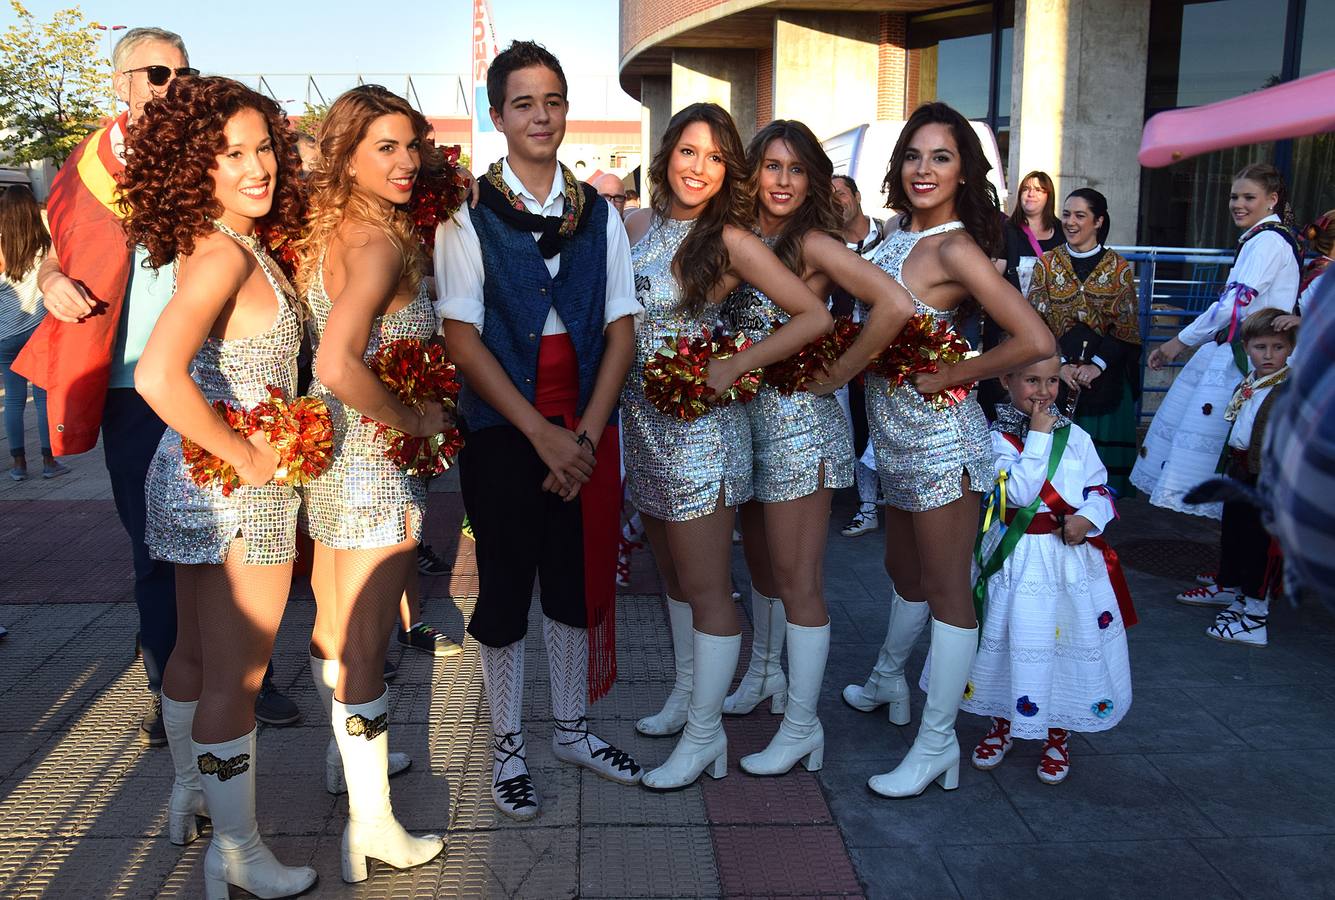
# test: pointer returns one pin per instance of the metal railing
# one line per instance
(1174, 284)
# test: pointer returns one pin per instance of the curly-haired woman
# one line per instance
(362, 273)
(205, 166)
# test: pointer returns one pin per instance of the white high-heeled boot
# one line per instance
(671, 718)
(764, 678)
(703, 745)
(800, 735)
(935, 754)
(187, 802)
(886, 683)
(324, 672)
(362, 731)
(237, 855)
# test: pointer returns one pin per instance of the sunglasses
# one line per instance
(160, 75)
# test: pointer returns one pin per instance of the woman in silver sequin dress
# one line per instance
(936, 463)
(690, 251)
(801, 443)
(231, 329)
(362, 271)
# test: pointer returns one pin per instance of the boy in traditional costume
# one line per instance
(538, 299)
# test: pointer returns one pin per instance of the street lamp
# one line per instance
(108, 29)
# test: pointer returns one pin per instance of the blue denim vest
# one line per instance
(518, 292)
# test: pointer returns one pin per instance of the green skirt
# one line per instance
(1114, 435)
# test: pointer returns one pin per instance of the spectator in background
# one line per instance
(309, 150)
(24, 243)
(611, 189)
(632, 199)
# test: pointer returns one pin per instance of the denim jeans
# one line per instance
(16, 397)
(130, 435)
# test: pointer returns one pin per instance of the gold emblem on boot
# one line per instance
(223, 768)
(367, 728)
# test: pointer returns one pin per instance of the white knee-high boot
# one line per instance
(703, 745)
(800, 735)
(187, 801)
(324, 672)
(503, 677)
(935, 754)
(671, 718)
(764, 678)
(362, 731)
(237, 855)
(886, 683)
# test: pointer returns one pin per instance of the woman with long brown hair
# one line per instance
(690, 251)
(24, 243)
(361, 269)
(801, 443)
(935, 458)
(206, 166)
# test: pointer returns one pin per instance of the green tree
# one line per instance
(309, 121)
(54, 85)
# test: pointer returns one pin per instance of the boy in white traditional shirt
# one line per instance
(1246, 565)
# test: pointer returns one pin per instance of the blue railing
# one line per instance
(1175, 284)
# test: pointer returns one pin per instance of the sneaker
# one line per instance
(428, 563)
(152, 732)
(1206, 595)
(429, 640)
(994, 746)
(18, 474)
(391, 669)
(1207, 577)
(1055, 763)
(55, 470)
(863, 521)
(274, 708)
(1244, 629)
(466, 528)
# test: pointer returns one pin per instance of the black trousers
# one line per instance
(521, 532)
(1244, 545)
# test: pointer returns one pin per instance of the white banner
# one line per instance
(488, 143)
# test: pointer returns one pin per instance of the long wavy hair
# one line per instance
(331, 191)
(166, 189)
(820, 211)
(702, 259)
(23, 236)
(975, 201)
(1044, 180)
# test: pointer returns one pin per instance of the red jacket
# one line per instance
(73, 361)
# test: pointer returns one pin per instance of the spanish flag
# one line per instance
(73, 361)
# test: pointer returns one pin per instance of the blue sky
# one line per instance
(247, 36)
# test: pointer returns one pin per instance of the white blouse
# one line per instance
(1267, 266)
(1080, 468)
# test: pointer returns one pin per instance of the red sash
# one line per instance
(1046, 523)
(557, 394)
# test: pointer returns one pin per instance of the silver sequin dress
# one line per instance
(675, 469)
(196, 525)
(792, 437)
(363, 500)
(922, 451)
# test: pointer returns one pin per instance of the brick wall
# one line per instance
(764, 87)
(643, 18)
(892, 75)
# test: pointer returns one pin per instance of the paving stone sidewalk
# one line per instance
(1213, 786)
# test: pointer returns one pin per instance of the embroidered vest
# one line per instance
(518, 292)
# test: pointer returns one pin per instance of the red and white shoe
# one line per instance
(1055, 763)
(994, 746)
(1206, 595)
(1207, 578)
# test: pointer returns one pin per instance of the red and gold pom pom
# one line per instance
(437, 194)
(302, 433)
(793, 374)
(206, 469)
(675, 377)
(922, 347)
(417, 372)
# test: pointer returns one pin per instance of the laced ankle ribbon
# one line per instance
(620, 760)
(1001, 730)
(1056, 741)
(517, 792)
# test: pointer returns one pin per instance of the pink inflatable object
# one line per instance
(1293, 109)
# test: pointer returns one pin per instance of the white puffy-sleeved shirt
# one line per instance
(1080, 468)
(460, 277)
(1266, 265)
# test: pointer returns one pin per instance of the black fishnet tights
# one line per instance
(227, 618)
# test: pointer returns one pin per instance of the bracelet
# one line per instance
(584, 439)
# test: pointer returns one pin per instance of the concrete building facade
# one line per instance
(1065, 85)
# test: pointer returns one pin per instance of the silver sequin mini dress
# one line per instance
(363, 500)
(922, 451)
(196, 525)
(794, 436)
(675, 470)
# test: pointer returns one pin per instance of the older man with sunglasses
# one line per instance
(103, 304)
